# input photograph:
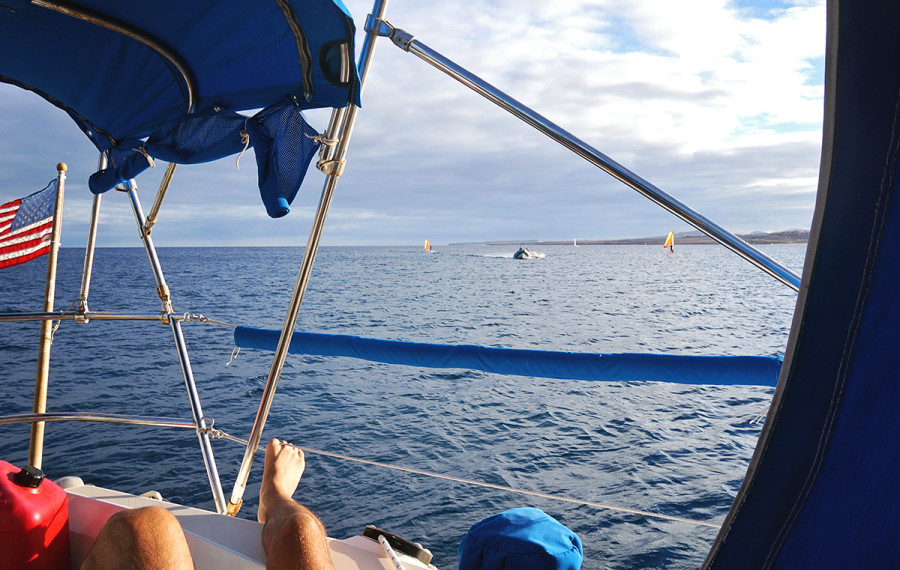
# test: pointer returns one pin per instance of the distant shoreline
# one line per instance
(687, 238)
(756, 238)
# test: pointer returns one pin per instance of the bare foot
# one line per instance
(281, 475)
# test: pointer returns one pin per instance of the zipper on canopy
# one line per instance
(303, 53)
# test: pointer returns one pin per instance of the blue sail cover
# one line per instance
(721, 370)
(821, 490)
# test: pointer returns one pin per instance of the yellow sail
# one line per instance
(427, 245)
(670, 241)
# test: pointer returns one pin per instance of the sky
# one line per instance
(717, 103)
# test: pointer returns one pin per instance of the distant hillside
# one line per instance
(689, 238)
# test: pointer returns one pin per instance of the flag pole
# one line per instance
(36, 444)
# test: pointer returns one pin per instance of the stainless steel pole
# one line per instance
(97, 417)
(334, 170)
(162, 290)
(42, 379)
(89, 257)
(160, 194)
(89, 250)
(4, 317)
(407, 42)
(333, 132)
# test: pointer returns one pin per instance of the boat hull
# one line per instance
(527, 254)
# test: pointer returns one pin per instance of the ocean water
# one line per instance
(669, 449)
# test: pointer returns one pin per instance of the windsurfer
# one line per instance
(151, 538)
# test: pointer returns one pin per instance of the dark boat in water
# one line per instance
(525, 253)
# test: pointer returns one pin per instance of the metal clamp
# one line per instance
(331, 167)
(402, 39)
(379, 27)
(81, 312)
(163, 291)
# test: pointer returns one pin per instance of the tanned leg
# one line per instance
(149, 538)
(293, 537)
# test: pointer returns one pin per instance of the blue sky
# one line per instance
(718, 103)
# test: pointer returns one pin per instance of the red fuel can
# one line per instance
(34, 520)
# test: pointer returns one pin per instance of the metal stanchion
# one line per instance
(36, 442)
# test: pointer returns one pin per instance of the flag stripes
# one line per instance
(26, 225)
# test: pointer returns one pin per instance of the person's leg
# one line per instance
(149, 537)
(293, 537)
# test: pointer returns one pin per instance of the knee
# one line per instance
(148, 537)
(143, 522)
(157, 517)
(154, 514)
(297, 527)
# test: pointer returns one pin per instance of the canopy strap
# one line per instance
(143, 151)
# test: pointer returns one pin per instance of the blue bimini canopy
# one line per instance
(681, 369)
(122, 69)
(821, 490)
(128, 70)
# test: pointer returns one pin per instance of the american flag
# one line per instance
(25, 227)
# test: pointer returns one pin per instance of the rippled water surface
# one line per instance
(670, 449)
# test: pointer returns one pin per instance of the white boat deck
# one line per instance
(216, 541)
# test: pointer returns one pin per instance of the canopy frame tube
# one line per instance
(184, 75)
(89, 249)
(333, 167)
(407, 42)
(194, 398)
(160, 195)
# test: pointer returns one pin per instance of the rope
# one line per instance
(215, 433)
(760, 416)
(59, 321)
(234, 352)
(323, 140)
(245, 139)
(191, 317)
(390, 552)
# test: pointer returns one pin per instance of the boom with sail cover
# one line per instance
(681, 369)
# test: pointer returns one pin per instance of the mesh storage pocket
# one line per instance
(284, 144)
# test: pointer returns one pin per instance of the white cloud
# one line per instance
(645, 82)
(696, 97)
